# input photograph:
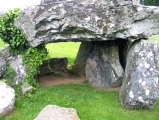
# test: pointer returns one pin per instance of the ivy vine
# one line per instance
(32, 57)
(11, 34)
(32, 60)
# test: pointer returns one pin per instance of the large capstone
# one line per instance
(103, 69)
(7, 99)
(140, 88)
(85, 20)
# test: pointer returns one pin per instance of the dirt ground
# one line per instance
(64, 78)
(54, 80)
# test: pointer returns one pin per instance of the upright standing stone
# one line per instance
(140, 86)
(103, 69)
(15, 62)
(84, 52)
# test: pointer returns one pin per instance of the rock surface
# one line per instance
(84, 52)
(140, 88)
(54, 112)
(25, 88)
(2, 66)
(7, 99)
(15, 62)
(103, 69)
(54, 65)
(4, 52)
(87, 20)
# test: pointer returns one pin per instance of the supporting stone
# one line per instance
(16, 63)
(84, 52)
(140, 86)
(103, 69)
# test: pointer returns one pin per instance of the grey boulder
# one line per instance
(16, 63)
(83, 54)
(7, 99)
(140, 88)
(54, 65)
(54, 112)
(103, 69)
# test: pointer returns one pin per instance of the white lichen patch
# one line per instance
(147, 92)
(140, 64)
(151, 69)
(128, 83)
(147, 65)
(149, 54)
(140, 99)
(139, 9)
(140, 81)
(143, 83)
(97, 18)
(88, 19)
(131, 94)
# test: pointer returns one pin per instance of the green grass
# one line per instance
(64, 49)
(156, 37)
(91, 104)
(1, 43)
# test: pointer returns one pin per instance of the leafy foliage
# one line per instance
(9, 73)
(19, 45)
(33, 58)
(150, 2)
(11, 34)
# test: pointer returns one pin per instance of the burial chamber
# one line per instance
(105, 28)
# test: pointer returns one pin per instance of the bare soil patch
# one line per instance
(52, 80)
(65, 78)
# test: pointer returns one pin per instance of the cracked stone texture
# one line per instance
(2, 66)
(54, 65)
(87, 20)
(83, 54)
(4, 52)
(16, 63)
(7, 99)
(140, 88)
(103, 69)
(54, 112)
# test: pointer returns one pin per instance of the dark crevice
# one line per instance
(123, 47)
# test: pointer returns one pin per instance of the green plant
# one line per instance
(32, 59)
(150, 2)
(11, 34)
(9, 73)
